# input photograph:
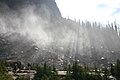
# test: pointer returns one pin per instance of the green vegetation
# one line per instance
(115, 70)
(72, 72)
(3, 71)
(78, 72)
(46, 73)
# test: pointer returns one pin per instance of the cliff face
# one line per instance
(23, 23)
(38, 5)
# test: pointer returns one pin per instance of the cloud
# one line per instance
(117, 11)
(92, 10)
(102, 5)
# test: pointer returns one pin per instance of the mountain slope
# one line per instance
(34, 31)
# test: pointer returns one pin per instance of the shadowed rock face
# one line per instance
(20, 4)
(16, 17)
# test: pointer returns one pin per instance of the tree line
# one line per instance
(73, 72)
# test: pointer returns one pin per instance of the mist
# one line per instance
(33, 34)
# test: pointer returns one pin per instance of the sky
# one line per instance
(103, 11)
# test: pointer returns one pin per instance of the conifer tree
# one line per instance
(68, 75)
(117, 70)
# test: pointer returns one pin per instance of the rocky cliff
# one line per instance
(39, 6)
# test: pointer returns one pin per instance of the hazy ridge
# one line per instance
(34, 31)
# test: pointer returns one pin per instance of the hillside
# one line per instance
(34, 31)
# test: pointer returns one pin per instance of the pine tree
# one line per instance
(117, 70)
(77, 72)
(105, 74)
(39, 73)
(112, 70)
(54, 74)
(68, 75)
